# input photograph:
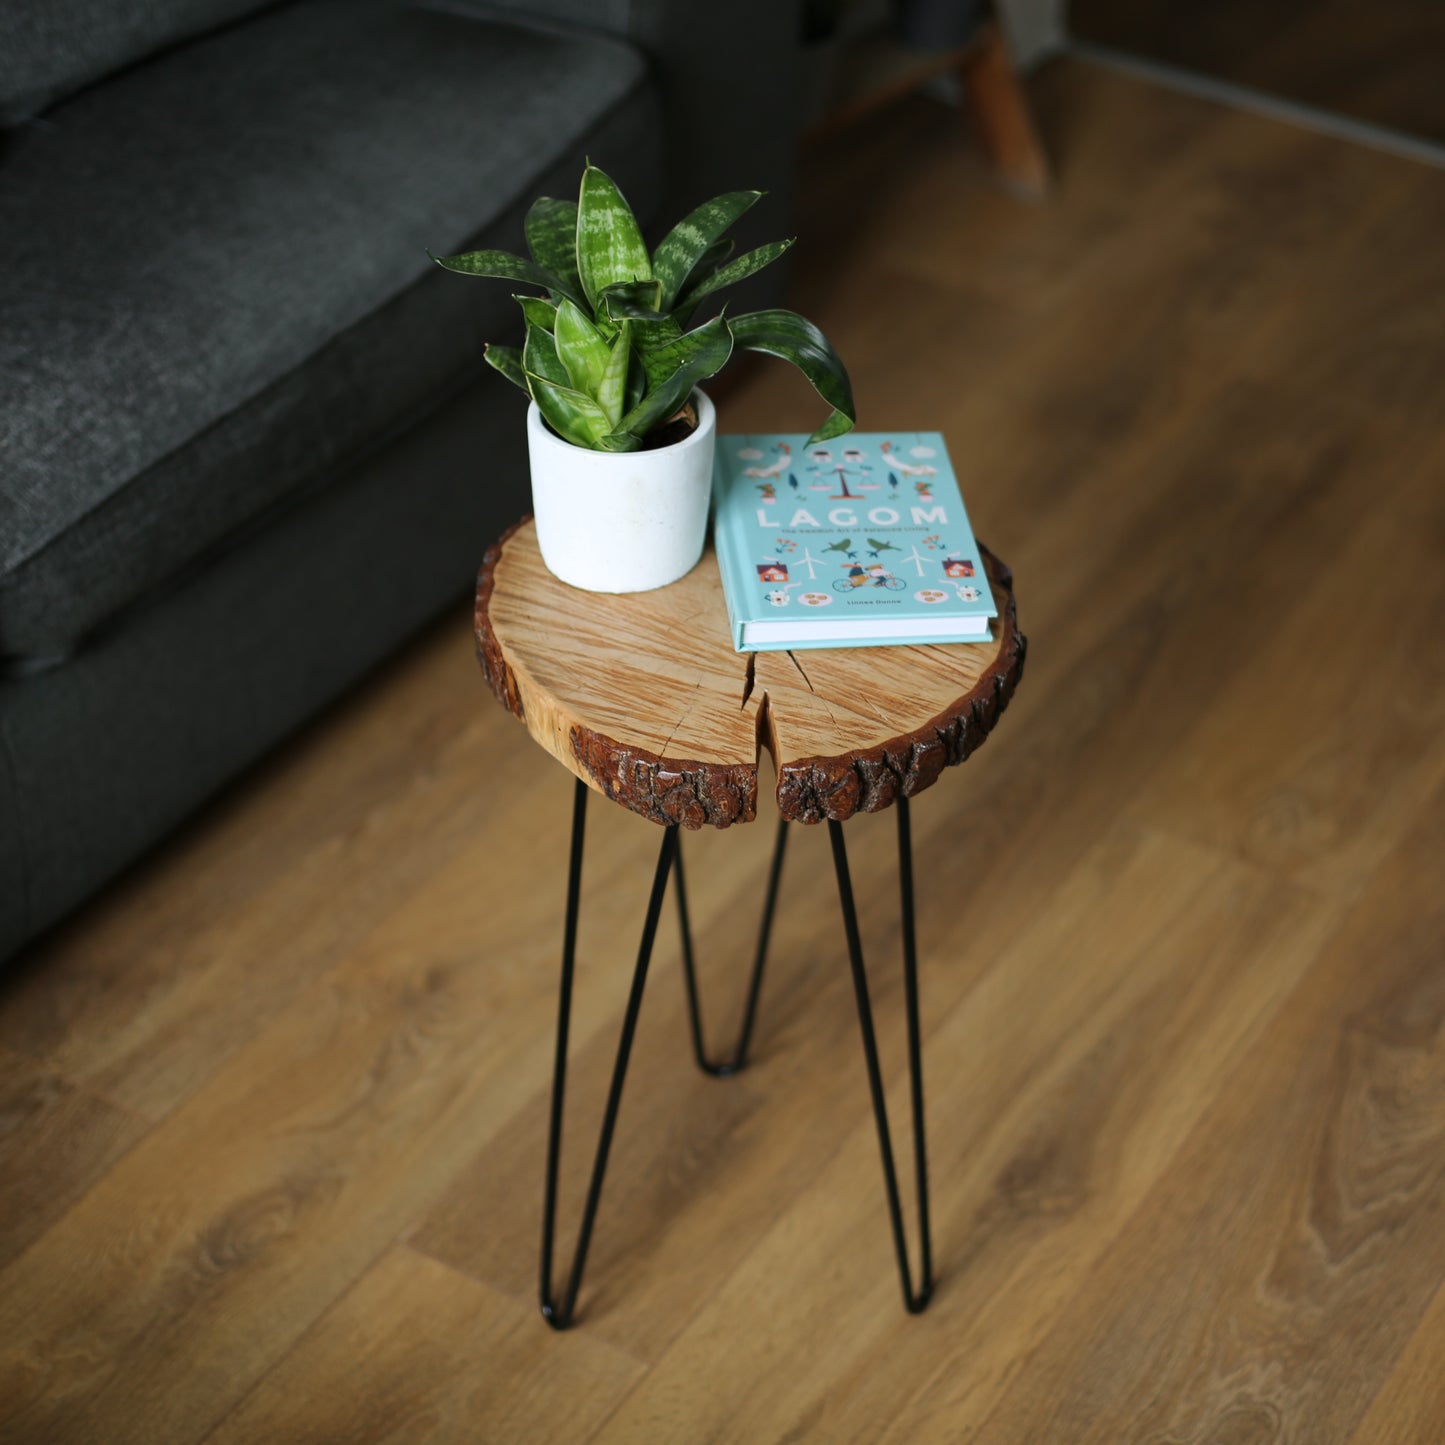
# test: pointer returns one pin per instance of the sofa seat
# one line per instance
(173, 372)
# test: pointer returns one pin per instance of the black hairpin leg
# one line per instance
(559, 1316)
(915, 1302)
(730, 1066)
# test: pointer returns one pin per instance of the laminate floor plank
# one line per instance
(1060, 1088)
(1378, 346)
(124, 998)
(1411, 1406)
(1021, 257)
(1296, 777)
(56, 1140)
(196, 1261)
(1169, 401)
(1301, 1224)
(700, 1166)
(416, 1352)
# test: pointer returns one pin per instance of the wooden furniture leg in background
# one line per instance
(1002, 115)
(875, 71)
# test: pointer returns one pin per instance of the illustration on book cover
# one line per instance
(876, 503)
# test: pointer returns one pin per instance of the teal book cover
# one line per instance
(860, 542)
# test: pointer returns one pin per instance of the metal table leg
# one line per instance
(725, 1070)
(915, 1301)
(560, 1314)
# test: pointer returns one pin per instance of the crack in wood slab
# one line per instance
(750, 679)
(864, 780)
(812, 790)
(567, 681)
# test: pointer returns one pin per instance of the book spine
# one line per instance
(729, 548)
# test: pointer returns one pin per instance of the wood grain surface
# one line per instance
(642, 696)
(272, 1130)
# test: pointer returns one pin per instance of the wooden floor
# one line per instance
(272, 1112)
(1382, 62)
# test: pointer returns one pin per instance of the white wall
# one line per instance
(1035, 28)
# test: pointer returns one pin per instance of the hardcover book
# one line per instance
(860, 542)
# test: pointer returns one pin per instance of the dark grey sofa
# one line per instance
(247, 441)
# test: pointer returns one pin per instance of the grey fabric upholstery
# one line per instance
(611, 16)
(312, 455)
(168, 707)
(214, 277)
(51, 48)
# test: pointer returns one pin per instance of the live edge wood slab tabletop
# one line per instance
(642, 696)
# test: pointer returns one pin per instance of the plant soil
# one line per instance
(678, 427)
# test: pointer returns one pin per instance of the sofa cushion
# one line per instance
(214, 277)
(52, 48)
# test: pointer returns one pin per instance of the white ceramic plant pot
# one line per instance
(621, 521)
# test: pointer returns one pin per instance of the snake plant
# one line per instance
(608, 357)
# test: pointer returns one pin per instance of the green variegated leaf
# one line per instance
(680, 251)
(693, 358)
(787, 335)
(838, 422)
(620, 441)
(609, 244)
(552, 239)
(507, 267)
(507, 360)
(636, 383)
(539, 357)
(734, 272)
(606, 356)
(574, 417)
(631, 300)
(612, 388)
(538, 311)
(653, 342)
(714, 257)
(581, 348)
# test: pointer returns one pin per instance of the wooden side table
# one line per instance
(642, 698)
